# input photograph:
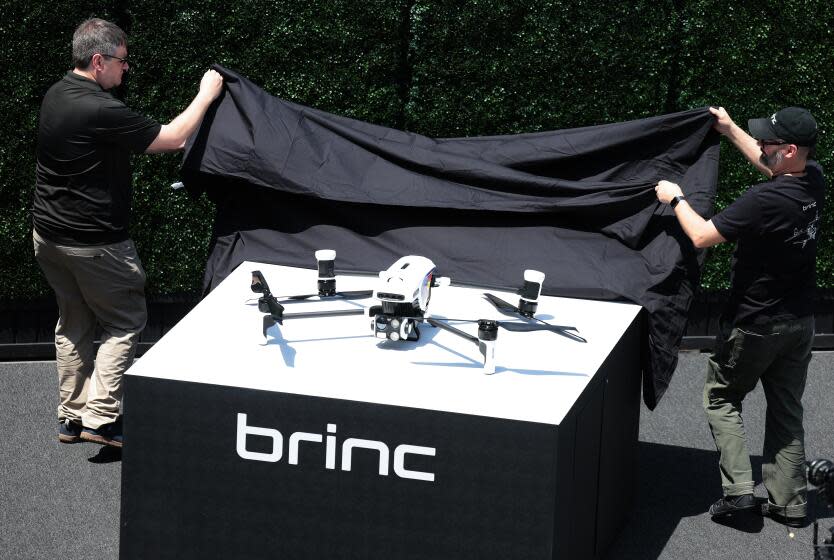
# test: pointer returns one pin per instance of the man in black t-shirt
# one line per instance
(81, 212)
(767, 328)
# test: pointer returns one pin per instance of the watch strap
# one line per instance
(675, 200)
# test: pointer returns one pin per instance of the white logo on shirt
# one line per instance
(803, 236)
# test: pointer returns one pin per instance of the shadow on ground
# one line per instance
(675, 486)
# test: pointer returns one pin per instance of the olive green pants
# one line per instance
(104, 286)
(777, 355)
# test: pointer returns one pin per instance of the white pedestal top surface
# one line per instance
(539, 375)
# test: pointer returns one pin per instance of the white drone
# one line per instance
(404, 292)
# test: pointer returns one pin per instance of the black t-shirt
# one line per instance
(82, 176)
(774, 265)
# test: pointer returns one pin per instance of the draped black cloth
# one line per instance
(578, 204)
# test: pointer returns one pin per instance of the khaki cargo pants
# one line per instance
(778, 356)
(102, 285)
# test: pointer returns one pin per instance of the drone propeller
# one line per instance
(259, 285)
(529, 327)
(517, 327)
(504, 307)
(509, 309)
(274, 311)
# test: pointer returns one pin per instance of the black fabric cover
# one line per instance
(577, 204)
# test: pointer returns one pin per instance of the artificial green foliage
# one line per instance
(442, 68)
(498, 67)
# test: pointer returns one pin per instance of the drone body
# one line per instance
(404, 291)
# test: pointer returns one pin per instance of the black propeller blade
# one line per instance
(529, 327)
(501, 305)
(510, 309)
(356, 294)
(506, 325)
(259, 284)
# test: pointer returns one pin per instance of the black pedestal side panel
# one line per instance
(186, 493)
(597, 455)
(620, 433)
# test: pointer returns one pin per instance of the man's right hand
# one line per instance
(172, 136)
(211, 84)
(723, 122)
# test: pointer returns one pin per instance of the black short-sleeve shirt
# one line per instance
(83, 181)
(774, 266)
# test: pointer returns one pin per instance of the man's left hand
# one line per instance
(666, 191)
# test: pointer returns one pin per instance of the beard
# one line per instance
(772, 160)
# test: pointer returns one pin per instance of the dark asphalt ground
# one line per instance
(62, 501)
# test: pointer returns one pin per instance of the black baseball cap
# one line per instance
(794, 125)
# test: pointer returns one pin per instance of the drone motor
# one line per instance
(326, 258)
(529, 301)
(487, 337)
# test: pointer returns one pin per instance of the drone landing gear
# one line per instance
(487, 336)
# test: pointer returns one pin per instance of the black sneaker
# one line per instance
(773, 513)
(69, 431)
(729, 505)
(108, 434)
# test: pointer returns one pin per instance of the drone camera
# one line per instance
(326, 259)
(529, 302)
(394, 328)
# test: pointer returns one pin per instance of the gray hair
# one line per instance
(95, 36)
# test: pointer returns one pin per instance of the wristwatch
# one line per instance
(674, 201)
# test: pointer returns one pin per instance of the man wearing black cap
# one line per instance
(767, 328)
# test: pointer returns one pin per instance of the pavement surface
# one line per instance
(62, 501)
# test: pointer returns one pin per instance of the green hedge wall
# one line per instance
(441, 68)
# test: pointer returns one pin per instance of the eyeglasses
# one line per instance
(771, 142)
(122, 60)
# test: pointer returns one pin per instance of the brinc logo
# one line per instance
(400, 452)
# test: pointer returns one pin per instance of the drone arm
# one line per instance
(334, 313)
(270, 319)
(453, 330)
